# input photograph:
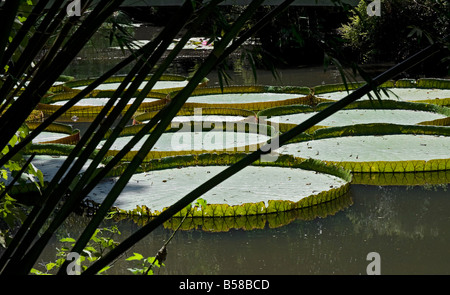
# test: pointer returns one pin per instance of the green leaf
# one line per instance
(13, 140)
(4, 174)
(70, 240)
(104, 269)
(201, 203)
(50, 265)
(136, 256)
(152, 260)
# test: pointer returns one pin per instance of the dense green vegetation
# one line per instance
(403, 27)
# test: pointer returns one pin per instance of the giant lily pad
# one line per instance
(427, 90)
(240, 98)
(251, 222)
(254, 190)
(48, 136)
(247, 97)
(395, 147)
(101, 101)
(158, 86)
(56, 133)
(402, 94)
(378, 147)
(206, 118)
(203, 114)
(49, 165)
(196, 137)
(198, 141)
(363, 116)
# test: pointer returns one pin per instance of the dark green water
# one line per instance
(408, 226)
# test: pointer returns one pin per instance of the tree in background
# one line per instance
(404, 27)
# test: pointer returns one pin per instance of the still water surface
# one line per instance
(409, 226)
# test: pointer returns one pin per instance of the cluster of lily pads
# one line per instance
(402, 137)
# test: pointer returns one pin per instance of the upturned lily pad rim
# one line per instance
(426, 178)
(55, 127)
(248, 222)
(303, 96)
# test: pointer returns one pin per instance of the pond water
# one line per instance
(409, 226)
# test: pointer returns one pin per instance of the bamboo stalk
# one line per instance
(68, 207)
(105, 8)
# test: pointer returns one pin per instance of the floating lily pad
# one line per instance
(187, 141)
(377, 148)
(207, 118)
(158, 85)
(249, 222)
(402, 94)
(395, 147)
(49, 166)
(254, 190)
(56, 133)
(407, 179)
(233, 98)
(363, 116)
(99, 101)
(48, 136)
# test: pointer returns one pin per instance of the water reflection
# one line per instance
(252, 222)
(407, 226)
